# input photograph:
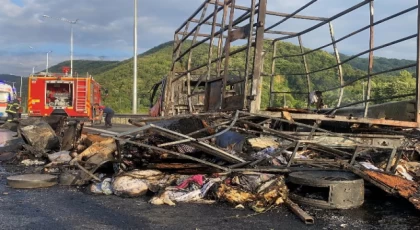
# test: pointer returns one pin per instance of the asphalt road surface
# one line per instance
(118, 128)
(61, 207)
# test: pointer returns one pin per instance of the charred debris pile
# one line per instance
(247, 160)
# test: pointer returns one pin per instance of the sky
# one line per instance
(104, 30)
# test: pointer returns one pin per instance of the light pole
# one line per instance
(20, 87)
(71, 38)
(135, 60)
(47, 61)
(33, 67)
(12, 82)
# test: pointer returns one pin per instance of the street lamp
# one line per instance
(13, 84)
(135, 60)
(20, 87)
(33, 67)
(71, 38)
(48, 60)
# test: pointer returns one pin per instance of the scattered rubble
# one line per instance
(243, 159)
(40, 136)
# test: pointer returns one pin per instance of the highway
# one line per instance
(63, 207)
(117, 128)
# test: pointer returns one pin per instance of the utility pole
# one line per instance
(20, 88)
(135, 60)
(47, 61)
(33, 67)
(71, 38)
(363, 89)
(71, 49)
(13, 84)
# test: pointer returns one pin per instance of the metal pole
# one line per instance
(370, 69)
(418, 69)
(47, 63)
(197, 31)
(364, 92)
(135, 60)
(71, 51)
(248, 54)
(305, 65)
(273, 70)
(33, 70)
(256, 83)
(71, 38)
(227, 54)
(220, 42)
(20, 88)
(213, 31)
(340, 68)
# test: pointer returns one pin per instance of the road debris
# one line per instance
(305, 217)
(32, 181)
(40, 136)
(231, 158)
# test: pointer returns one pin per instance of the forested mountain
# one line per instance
(154, 64)
(82, 67)
(379, 64)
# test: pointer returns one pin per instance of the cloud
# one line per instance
(105, 27)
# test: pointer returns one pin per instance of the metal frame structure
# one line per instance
(216, 75)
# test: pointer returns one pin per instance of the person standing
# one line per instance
(12, 109)
(109, 114)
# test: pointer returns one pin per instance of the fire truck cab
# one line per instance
(61, 94)
(7, 93)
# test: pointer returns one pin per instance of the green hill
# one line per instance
(155, 63)
(152, 66)
(379, 64)
(82, 67)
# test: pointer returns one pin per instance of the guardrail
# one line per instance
(122, 118)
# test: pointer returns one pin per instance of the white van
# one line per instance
(6, 94)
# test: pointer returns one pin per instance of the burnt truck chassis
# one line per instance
(213, 86)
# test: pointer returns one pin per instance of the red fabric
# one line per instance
(199, 179)
(154, 111)
(101, 107)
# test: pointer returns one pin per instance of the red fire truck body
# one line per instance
(61, 94)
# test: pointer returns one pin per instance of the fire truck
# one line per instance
(61, 94)
(7, 93)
